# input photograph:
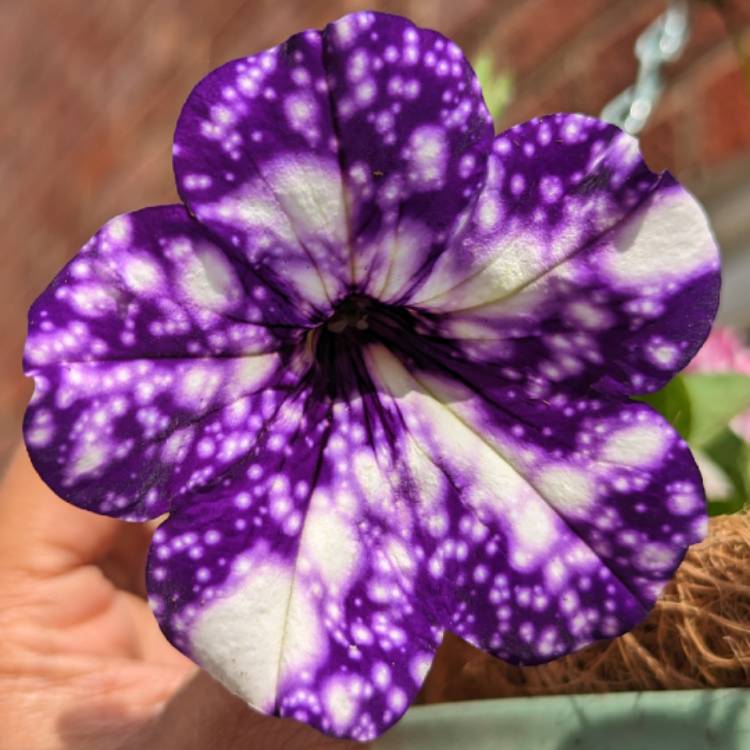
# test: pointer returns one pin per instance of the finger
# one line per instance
(153, 647)
(205, 716)
(42, 534)
(79, 701)
(125, 561)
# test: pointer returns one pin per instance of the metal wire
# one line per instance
(660, 43)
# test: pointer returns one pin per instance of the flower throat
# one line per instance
(337, 345)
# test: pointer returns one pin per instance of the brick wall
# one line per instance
(91, 92)
(578, 55)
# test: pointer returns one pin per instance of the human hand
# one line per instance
(83, 665)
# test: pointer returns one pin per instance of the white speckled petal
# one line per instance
(414, 138)
(296, 578)
(377, 372)
(148, 351)
(566, 517)
(577, 264)
(337, 161)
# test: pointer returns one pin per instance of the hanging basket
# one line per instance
(697, 636)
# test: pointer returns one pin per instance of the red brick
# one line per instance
(706, 31)
(697, 124)
(564, 96)
(614, 66)
(587, 72)
(660, 144)
(695, 85)
(527, 35)
(735, 12)
(724, 112)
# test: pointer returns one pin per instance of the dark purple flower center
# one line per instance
(351, 313)
(357, 321)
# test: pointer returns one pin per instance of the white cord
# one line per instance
(661, 42)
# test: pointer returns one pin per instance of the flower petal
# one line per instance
(294, 579)
(255, 160)
(148, 341)
(574, 512)
(337, 159)
(578, 264)
(414, 136)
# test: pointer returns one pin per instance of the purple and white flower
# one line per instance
(377, 371)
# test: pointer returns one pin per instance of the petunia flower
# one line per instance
(376, 370)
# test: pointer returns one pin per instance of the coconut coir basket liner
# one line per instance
(697, 636)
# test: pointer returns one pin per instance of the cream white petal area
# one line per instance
(243, 637)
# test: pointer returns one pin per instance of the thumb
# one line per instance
(203, 715)
(42, 534)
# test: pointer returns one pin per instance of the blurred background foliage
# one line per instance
(704, 407)
(497, 85)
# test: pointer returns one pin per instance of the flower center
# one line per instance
(352, 312)
(337, 345)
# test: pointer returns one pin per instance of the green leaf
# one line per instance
(732, 455)
(717, 484)
(497, 87)
(673, 403)
(715, 398)
(700, 407)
